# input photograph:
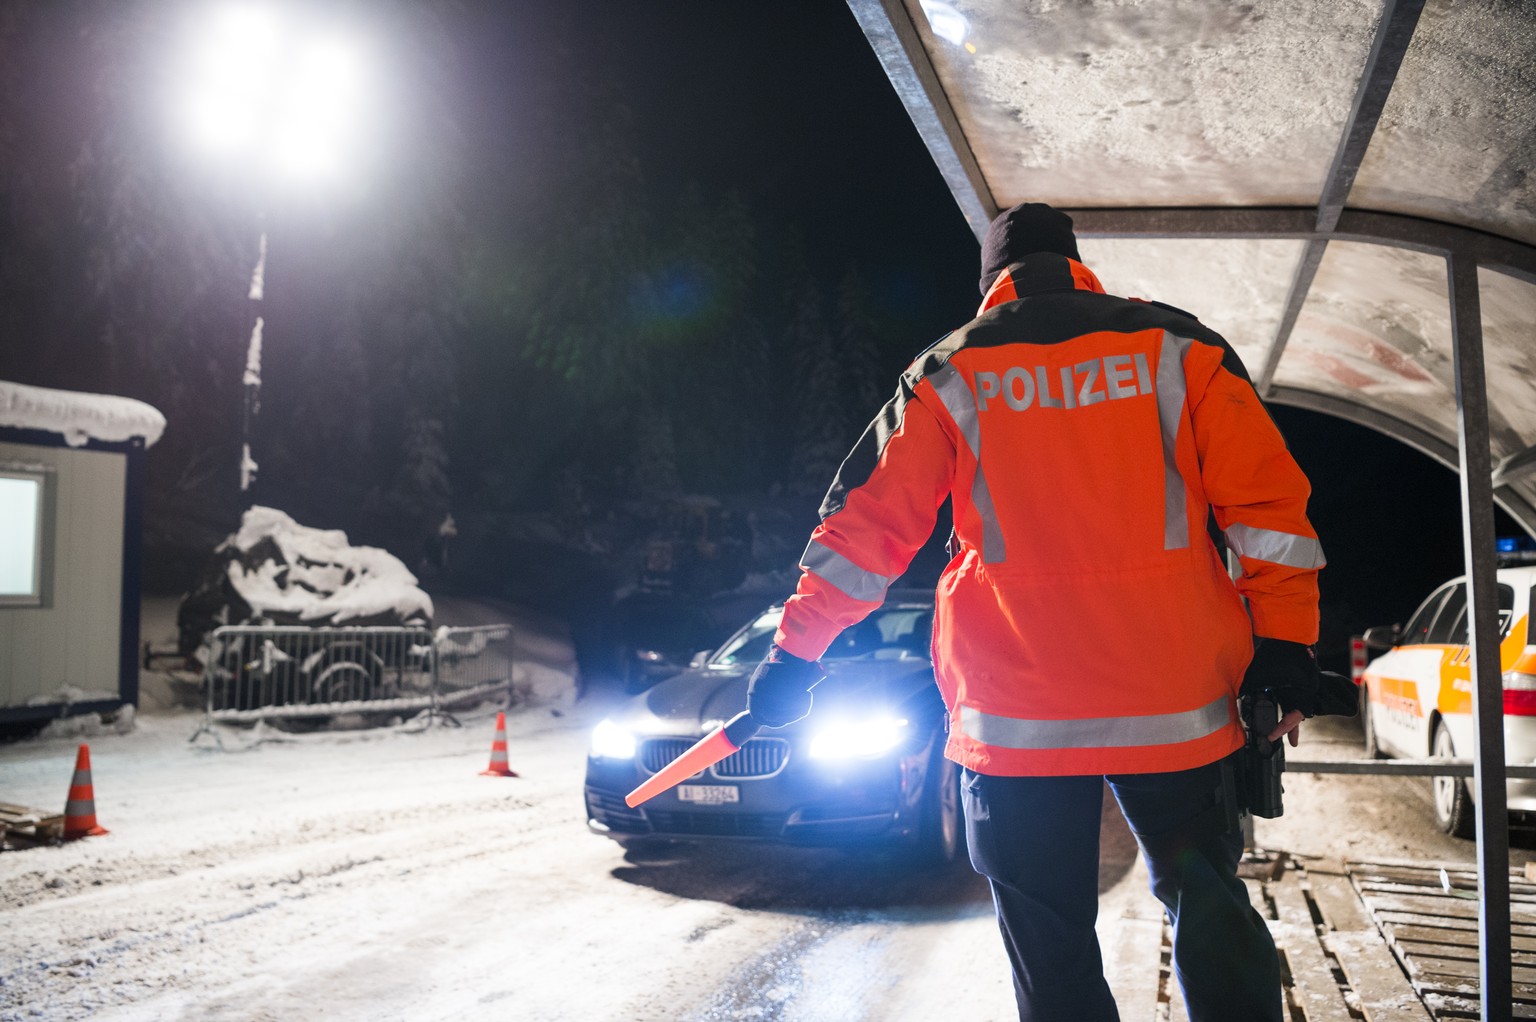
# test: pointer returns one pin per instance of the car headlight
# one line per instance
(863, 739)
(609, 741)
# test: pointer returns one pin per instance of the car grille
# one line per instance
(760, 757)
(718, 824)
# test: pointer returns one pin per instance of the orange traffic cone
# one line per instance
(499, 767)
(80, 810)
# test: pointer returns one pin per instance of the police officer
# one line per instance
(1086, 628)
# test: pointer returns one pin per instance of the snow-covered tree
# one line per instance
(821, 436)
(865, 386)
(655, 461)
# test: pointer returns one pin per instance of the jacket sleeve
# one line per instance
(879, 512)
(1258, 493)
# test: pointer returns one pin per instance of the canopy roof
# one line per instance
(1301, 174)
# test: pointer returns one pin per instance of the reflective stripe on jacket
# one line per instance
(1086, 623)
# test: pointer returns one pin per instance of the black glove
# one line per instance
(780, 690)
(1288, 671)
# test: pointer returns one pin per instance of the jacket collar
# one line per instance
(1036, 274)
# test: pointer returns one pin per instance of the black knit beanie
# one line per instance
(1017, 232)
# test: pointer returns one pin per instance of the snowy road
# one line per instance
(375, 874)
(378, 875)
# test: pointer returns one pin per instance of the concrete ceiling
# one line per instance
(1301, 174)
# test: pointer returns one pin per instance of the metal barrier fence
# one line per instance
(470, 664)
(1403, 767)
(256, 672)
(1389, 768)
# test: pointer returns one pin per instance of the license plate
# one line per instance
(709, 794)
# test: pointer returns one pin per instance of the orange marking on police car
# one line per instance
(1401, 696)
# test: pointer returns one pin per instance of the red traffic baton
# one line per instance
(720, 743)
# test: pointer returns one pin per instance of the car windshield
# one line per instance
(894, 632)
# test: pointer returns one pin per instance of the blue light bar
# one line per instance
(1512, 550)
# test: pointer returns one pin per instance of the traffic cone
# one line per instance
(499, 767)
(80, 810)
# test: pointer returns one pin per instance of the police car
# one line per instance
(1418, 696)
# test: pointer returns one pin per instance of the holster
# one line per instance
(1260, 762)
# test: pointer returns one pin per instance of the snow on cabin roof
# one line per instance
(79, 418)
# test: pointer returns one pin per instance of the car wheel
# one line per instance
(941, 823)
(343, 681)
(1454, 811)
(1372, 744)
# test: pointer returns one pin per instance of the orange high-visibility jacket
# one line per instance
(1086, 623)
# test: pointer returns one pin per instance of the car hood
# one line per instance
(699, 698)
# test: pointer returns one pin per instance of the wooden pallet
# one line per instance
(1391, 941)
(21, 827)
(1427, 911)
(1335, 963)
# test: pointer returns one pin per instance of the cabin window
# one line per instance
(24, 534)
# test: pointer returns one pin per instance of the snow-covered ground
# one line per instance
(374, 874)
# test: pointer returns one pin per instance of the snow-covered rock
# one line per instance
(277, 571)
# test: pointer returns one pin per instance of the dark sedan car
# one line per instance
(867, 765)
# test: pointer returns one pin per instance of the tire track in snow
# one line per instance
(110, 920)
(762, 988)
(98, 874)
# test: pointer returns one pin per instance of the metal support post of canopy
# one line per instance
(1495, 961)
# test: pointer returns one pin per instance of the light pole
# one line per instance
(251, 381)
(269, 101)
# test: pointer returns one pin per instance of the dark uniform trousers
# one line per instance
(1036, 839)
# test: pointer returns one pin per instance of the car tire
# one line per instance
(1372, 743)
(344, 674)
(1454, 812)
(940, 834)
(343, 681)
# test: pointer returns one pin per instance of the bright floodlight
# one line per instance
(228, 71)
(314, 116)
(271, 94)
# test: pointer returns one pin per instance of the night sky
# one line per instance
(785, 104)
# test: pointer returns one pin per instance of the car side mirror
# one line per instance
(700, 658)
(1382, 636)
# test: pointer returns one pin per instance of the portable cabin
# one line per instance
(71, 516)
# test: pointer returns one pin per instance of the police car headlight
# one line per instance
(863, 739)
(609, 741)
